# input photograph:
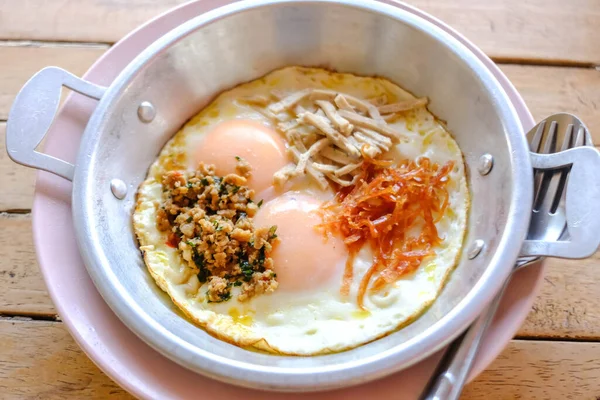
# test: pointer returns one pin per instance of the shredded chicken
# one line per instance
(347, 169)
(338, 156)
(311, 170)
(305, 157)
(325, 168)
(257, 100)
(336, 137)
(342, 103)
(289, 102)
(369, 123)
(380, 139)
(336, 119)
(288, 125)
(403, 106)
(330, 133)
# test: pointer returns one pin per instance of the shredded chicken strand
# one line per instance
(336, 119)
(289, 101)
(347, 169)
(257, 100)
(342, 103)
(325, 168)
(305, 157)
(362, 138)
(318, 177)
(403, 106)
(377, 126)
(338, 156)
(381, 139)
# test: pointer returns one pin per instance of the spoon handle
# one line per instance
(451, 374)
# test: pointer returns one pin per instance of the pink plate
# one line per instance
(121, 354)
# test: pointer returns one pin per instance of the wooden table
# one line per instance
(550, 49)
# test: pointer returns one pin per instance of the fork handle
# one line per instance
(582, 205)
(451, 373)
(450, 376)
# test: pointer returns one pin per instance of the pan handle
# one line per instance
(32, 114)
(582, 204)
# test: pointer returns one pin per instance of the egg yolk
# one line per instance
(303, 259)
(256, 143)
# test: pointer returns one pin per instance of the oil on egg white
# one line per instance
(304, 318)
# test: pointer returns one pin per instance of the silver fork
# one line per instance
(549, 210)
(548, 223)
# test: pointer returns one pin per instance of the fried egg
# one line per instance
(307, 312)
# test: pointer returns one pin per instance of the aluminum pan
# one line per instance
(481, 118)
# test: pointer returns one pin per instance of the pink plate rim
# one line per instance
(114, 348)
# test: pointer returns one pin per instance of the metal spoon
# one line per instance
(548, 222)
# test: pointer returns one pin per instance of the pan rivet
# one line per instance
(146, 112)
(118, 188)
(486, 162)
(475, 249)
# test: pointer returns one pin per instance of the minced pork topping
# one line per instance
(209, 220)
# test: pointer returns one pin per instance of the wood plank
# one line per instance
(16, 180)
(19, 63)
(533, 30)
(555, 30)
(548, 90)
(22, 288)
(540, 370)
(40, 360)
(51, 366)
(18, 20)
(568, 305)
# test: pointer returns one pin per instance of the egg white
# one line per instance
(310, 322)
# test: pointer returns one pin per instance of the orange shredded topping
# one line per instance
(394, 209)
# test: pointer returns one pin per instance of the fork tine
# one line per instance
(588, 138)
(567, 140)
(550, 144)
(538, 180)
(542, 179)
(580, 138)
(550, 200)
(561, 182)
(535, 143)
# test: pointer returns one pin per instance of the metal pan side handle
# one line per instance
(582, 204)
(32, 114)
